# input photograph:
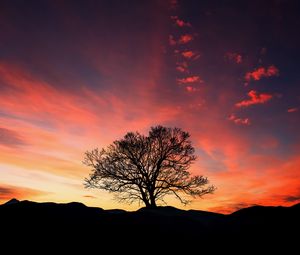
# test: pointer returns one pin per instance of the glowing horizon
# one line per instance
(76, 76)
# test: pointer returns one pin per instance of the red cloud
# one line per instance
(293, 110)
(185, 39)
(172, 41)
(8, 192)
(179, 22)
(191, 89)
(182, 67)
(261, 72)
(256, 74)
(25, 90)
(239, 121)
(255, 98)
(190, 79)
(235, 57)
(190, 54)
(276, 181)
(55, 123)
(272, 71)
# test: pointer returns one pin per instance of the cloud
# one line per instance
(272, 71)
(256, 74)
(179, 22)
(261, 72)
(58, 125)
(172, 40)
(295, 109)
(44, 102)
(182, 67)
(257, 179)
(8, 192)
(239, 121)
(189, 54)
(292, 198)
(191, 89)
(255, 98)
(234, 57)
(190, 79)
(89, 196)
(186, 38)
(183, 39)
(10, 138)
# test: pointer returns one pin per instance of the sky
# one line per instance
(77, 75)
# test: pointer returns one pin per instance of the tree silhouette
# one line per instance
(147, 168)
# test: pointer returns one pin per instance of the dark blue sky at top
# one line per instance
(60, 42)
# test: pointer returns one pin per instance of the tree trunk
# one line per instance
(153, 204)
(144, 197)
(152, 201)
(147, 204)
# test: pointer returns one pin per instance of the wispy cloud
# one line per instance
(182, 67)
(10, 138)
(191, 89)
(261, 72)
(190, 79)
(186, 38)
(8, 192)
(180, 22)
(239, 121)
(272, 71)
(234, 57)
(183, 39)
(189, 54)
(292, 198)
(255, 98)
(295, 109)
(172, 40)
(89, 196)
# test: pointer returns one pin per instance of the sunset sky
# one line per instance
(76, 75)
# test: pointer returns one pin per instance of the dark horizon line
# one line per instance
(15, 200)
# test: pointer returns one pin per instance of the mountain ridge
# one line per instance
(59, 224)
(145, 209)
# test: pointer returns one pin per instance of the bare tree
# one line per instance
(147, 168)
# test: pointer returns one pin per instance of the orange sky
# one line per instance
(89, 75)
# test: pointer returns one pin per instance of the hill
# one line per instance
(26, 220)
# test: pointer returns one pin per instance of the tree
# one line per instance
(147, 168)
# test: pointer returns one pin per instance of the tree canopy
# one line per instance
(147, 168)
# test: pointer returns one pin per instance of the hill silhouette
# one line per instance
(251, 226)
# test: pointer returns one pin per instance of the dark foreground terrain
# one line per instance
(26, 223)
